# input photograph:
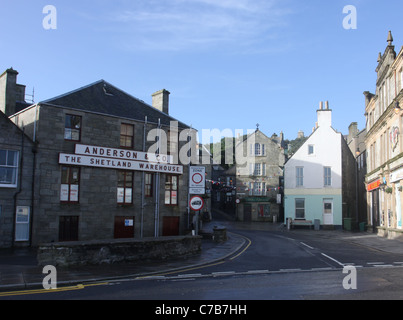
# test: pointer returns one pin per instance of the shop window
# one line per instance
(8, 168)
(70, 186)
(126, 136)
(148, 185)
(263, 210)
(171, 190)
(125, 187)
(72, 128)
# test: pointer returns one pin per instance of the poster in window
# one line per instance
(174, 197)
(121, 194)
(74, 193)
(67, 133)
(128, 195)
(75, 135)
(64, 192)
(167, 197)
(22, 215)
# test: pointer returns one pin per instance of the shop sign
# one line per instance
(90, 161)
(122, 154)
(374, 185)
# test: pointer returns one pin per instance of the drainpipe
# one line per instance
(34, 152)
(157, 187)
(19, 187)
(143, 183)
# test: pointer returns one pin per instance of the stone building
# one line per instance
(17, 160)
(259, 177)
(356, 143)
(107, 166)
(384, 144)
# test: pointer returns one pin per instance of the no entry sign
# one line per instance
(196, 203)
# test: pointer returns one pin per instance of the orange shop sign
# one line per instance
(374, 185)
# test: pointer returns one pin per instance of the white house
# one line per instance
(319, 179)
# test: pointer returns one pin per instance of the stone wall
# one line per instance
(114, 251)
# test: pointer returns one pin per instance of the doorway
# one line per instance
(124, 227)
(247, 212)
(328, 212)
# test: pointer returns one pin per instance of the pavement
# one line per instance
(19, 269)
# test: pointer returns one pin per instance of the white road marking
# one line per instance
(304, 244)
(338, 262)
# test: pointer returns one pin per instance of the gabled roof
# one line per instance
(12, 125)
(102, 97)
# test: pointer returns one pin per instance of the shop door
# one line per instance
(170, 226)
(375, 210)
(398, 207)
(328, 212)
(247, 212)
(124, 227)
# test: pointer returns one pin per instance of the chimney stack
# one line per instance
(8, 91)
(324, 115)
(160, 100)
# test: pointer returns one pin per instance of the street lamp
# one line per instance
(397, 107)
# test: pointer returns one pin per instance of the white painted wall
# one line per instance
(327, 153)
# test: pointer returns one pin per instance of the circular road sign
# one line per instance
(196, 203)
(197, 178)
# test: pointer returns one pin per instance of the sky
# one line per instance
(229, 64)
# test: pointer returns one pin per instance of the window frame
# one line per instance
(148, 185)
(262, 212)
(171, 189)
(299, 208)
(125, 187)
(69, 184)
(14, 168)
(299, 176)
(126, 136)
(71, 133)
(327, 176)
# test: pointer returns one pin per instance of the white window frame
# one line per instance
(327, 176)
(299, 176)
(22, 227)
(13, 167)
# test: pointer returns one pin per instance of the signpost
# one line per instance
(197, 180)
(196, 203)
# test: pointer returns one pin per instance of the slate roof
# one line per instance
(104, 98)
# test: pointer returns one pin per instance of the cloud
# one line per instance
(197, 24)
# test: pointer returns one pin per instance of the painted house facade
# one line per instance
(319, 179)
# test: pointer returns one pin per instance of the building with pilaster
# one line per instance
(384, 144)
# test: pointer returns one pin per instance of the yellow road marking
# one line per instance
(41, 291)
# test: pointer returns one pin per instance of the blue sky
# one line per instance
(227, 63)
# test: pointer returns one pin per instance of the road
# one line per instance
(272, 265)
